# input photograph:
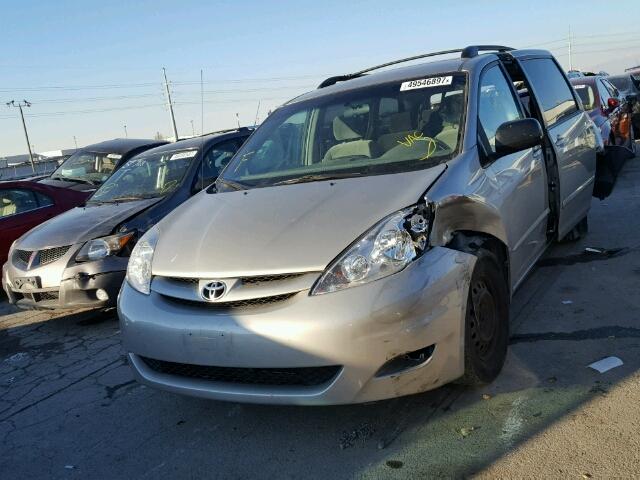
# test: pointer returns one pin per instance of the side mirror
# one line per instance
(518, 135)
(613, 103)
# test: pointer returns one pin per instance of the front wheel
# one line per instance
(486, 335)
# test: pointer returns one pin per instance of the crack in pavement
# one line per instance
(578, 335)
(55, 392)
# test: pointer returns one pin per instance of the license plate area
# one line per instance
(26, 283)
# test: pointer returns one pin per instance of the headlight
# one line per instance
(385, 249)
(103, 247)
(139, 267)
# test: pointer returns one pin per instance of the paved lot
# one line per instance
(70, 409)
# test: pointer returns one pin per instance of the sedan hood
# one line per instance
(283, 229)
(81, 224)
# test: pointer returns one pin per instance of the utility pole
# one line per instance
(570, 49)
(24, 103)
(238, 119)
(193, 130)
(75, 142)
(126, 135)
(170, 105)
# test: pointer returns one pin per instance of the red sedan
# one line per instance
(24, 204)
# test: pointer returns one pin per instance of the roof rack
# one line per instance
(467, 52)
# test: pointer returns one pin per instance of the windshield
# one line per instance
(146, 176)
(87, 167)
(378, 130)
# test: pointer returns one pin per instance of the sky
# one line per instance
(89, 68)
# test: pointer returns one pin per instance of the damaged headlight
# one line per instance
(103, 247)
(385, 249)
(139, 267)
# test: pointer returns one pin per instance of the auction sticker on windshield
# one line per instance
(425, 82)
(114, 156)
(187, 154)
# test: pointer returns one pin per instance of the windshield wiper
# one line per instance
(75, 179)
(231, 183)
(126, 198)
(318, 177)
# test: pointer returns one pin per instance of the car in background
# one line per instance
(90, 166)
(79, 258)
(610, 114)
(23, 205)
(574, 74)
(628, 85)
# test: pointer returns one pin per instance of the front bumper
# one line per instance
(359, 330)
(72, 287)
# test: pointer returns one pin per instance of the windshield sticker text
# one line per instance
(187, 154)
(411, 139)
(426, 82)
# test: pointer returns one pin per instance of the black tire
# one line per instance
(486, 335)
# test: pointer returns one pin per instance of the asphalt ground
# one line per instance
(69, 407)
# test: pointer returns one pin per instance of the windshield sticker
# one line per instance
(426, 82)
(187, 154)
(579, 86)
(411, 139)
(114, 156)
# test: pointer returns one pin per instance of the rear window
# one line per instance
(621, 83)
(587, 96)
(551, 89)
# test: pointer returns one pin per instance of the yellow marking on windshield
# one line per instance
(412, 138)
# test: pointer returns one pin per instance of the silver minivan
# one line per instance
(365, 241)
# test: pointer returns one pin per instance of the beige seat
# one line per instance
(8, 208)
(400, 126)
(352, 143)
(451, 112)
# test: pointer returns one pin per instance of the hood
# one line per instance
(283, 229)
(81, 224)
(80, 187)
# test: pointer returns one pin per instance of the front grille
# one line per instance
(50, 255)
(23, 256)
(37, 296)
(41, 297)
(269, 278)
(305, 376)
(44, 257)
(245, 280)
(251, 302)
(183, 280)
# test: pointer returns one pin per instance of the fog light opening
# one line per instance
(406, 361)
(102, 295)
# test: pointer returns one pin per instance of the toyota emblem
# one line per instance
(213, 291)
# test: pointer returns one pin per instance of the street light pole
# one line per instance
(24, 103)
(126, 135)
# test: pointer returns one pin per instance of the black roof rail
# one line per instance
(467, 52)
(473, 50)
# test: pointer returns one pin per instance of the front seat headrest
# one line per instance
(345, 129)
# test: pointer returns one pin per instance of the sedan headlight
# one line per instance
(139, 267)
(385, 249)
(103, 247)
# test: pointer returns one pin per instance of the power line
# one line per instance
(77, 112)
